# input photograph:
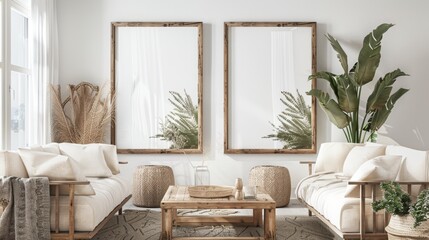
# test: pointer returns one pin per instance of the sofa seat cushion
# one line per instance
(91, 210)
(325, 193)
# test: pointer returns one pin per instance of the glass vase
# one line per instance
(202, 175)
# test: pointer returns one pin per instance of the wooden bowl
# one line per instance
(210, 191)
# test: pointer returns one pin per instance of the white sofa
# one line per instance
(73, 215)
(328, 192)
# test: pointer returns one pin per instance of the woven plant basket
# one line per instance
(401, 228)
(275, 180)
(150, 184)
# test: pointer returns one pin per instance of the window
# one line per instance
(15, 73)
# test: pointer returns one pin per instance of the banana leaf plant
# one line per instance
(343, 111)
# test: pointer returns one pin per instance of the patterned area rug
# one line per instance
(142, 225)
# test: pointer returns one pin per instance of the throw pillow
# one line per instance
(332, 155)
(56, 168)
(358, 155)
(111, 157)
(89, 157)
(382, 168)
(12, 165)
(50, 147)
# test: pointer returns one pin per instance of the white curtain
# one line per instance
(282, 71)
(45, 68)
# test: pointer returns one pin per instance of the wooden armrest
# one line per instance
(53, 183)
(123, 162)
(310, 165)
(307, 162)
(378, 182)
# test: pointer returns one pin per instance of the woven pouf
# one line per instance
(150, 184)
(275, 180)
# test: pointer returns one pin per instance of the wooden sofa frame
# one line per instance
(71, 234)
(362, 234)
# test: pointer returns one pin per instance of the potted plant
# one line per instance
(408, 221)
(343, 111)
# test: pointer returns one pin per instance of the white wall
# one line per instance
(84, 35)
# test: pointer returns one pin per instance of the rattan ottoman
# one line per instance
(150, 184)
(275, 180)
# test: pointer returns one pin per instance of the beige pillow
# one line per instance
(331, 156)
(50, 147)
(358, 155)
(382, 168)
(111, 157)
(56, 168)
(12, 165)
(89, 157)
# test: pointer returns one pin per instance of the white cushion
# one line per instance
(111, 157)
(415, 166)
(331, 156)
(325, 193)
(358, 155)
(89, 157)
(91, 210)
(382, 168)
(56, 168)
(50, 147)
(12, 165)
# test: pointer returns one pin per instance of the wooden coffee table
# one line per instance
(177, 197)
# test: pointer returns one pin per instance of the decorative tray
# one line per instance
(210, 191)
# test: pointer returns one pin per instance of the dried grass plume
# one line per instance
(83, 116)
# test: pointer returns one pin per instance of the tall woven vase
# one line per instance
(401, 228)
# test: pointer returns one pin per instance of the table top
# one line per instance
(178, 197)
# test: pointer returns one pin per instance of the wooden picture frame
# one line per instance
(157, 72)
(254, 52)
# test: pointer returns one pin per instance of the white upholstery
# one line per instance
(358, 155)
(325, 193)
(12, 165)
(111, 157)
(91, 210)
(50, 147)
(381, 168)
(89, 157)
(56, 168)
(332, 155)
(415, 166)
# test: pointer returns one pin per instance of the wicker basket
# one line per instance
(150, 184)
(275, 180)
(401, 228)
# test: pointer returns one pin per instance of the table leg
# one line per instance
(270, 224)
(257, 217)
(174, 217)
(166, 225)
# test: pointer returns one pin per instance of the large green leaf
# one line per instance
(347, 94)
(379, 117)
(342, 56)
(369, 56)
(382, 90)
(331, 108)
(330, 77)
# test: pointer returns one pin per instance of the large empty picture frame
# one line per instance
(157, 78)
(266, 109)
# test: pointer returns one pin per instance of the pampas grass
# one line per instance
(84, 115)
